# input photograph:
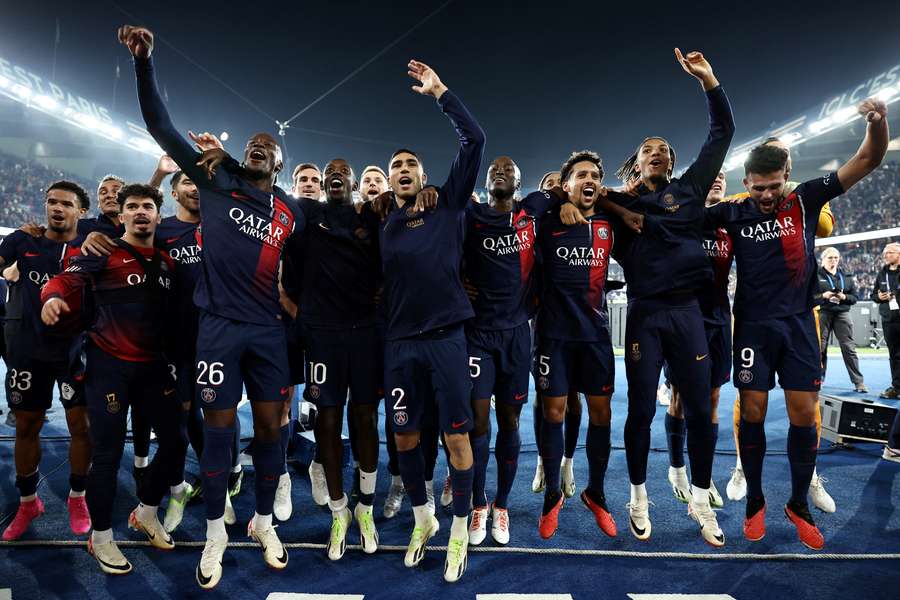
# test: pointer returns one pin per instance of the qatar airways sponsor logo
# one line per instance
(582, 256)
(186, 255)
(268, 232)
(717, 248)
(139, 278)
(38, 278)
(769, 230)
(510, 243)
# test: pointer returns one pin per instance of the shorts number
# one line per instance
(397, 394)
(544, 365)
(213, 370)
(474, 367)
(19, 380)
(747, 355)
(174, 372)
(318, 372)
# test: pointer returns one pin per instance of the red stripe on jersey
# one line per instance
(199, 237)
(524, 227)
(793, 242)
(267, 267)
(723, 254)
(602, 241)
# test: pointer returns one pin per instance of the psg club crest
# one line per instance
(112, 405)
(522, 223)
(207, 395)
(745, 376)
(543, 382)
(603, 233)
(669, 199)
(15, 398)
(66, 391)
(635, 351)
(284, 219)
(314, 392)
(401, 418)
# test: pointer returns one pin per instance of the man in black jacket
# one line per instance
(837, 293)
(884, 294)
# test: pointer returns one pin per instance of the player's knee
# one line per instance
(406, 441)
(29, 423)
(600, 415)
(554, 410)
(507, 418)
(457, 443)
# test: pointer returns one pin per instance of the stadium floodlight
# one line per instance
(845, 115)
(4, 82)
(820, 125)
(790, 137)
(885, 94)
(224, 136)
(22, 91)
(45, 102)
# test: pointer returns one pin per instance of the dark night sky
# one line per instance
(543, 78)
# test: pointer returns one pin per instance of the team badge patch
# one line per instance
(543, 382)
(207, 394)
(635, 351)
(603, 233)
(285, 220)
(314, 392)
(112, 405)
(15, 398)
(522, 223)
(361, 234)
(669, 199)
(66, 391)
(745, 376)
(401, 418)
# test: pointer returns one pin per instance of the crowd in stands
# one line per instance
(22, 184)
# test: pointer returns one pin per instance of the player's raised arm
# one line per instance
(139, 41)
(873, 148)
(464, 171)
(706, 167)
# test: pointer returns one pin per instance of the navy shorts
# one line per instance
(561, 365)
(718, 337)
(235, 354)
(342, 361)
(29, 384)
(787, 346)
(425, 373)
(499, 363)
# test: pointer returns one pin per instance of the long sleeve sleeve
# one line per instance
(464, 170)
(706, 167)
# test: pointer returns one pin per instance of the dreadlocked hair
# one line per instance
(626, 172)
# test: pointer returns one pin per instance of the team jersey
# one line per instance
(243, 230)
(421, 252)
(825, 224)
(669, 254)
(339, 265)
(100, 223)
(500, 259)
(775, 253)
(131, 317)
(38, 260)
(181, 242)
(713, 299)
(574, 265)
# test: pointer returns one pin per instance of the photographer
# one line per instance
(837, 293)
(885, 295)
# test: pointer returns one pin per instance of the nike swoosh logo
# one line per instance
(701, 356)
(283, 558)
(557, 233)
(203, 579)
(520, 396)
(637, 530)
(111, 566)
(127, 260)
(606, 388)
(285, 391)
(214, 473)
(325, 227)
(458, 425)
(168, 392)
(32, 255)
(170, 240)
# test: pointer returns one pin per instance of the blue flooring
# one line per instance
(867, 521)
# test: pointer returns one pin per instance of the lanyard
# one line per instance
(831, 281)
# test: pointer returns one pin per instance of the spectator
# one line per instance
(837, 293)
(885, 294)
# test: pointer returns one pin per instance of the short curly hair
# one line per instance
(577, 157)
(140, 190)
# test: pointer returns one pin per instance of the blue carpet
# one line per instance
(865, 489)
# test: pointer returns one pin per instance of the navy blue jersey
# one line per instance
(131, 319)
(38, 260)
(775, 253)
(574, 264)
(243, 230)
(713, 299)
(339, 265)
(669, 254)
(500, 258)
(100, 223)
(180, 239)
(422, 252)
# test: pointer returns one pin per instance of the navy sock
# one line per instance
(412, 471)
(285, 440)
(637, 449)
(752, 440)
(675, 437)
(267, 462)
(429, 446)
(506, 451)
(195, 431)
(480, 455)
(801, 448)
(551, 454)
(598, 448)
(216, 466)
(701, 447)
(393, 467)
(236, 442)
(538, 413)
(77, 483)
(461, 483)
(573, 424)
(27, 484)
